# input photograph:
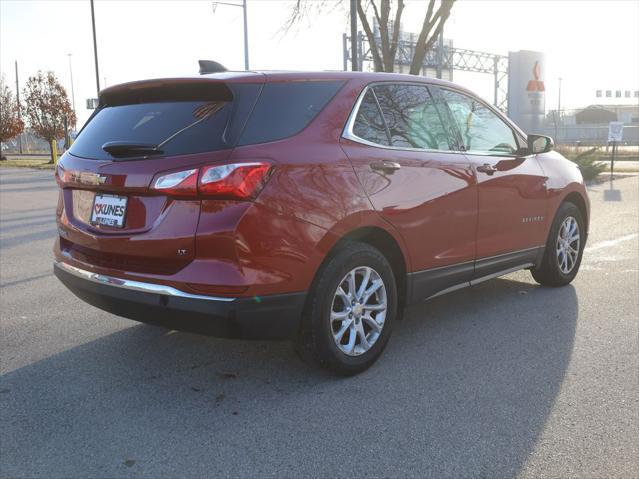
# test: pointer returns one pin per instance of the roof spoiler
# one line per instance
(210, 66)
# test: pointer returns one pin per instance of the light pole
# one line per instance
(559, 99)
(71, 74)
(242, 6)
(558, 117)
(18, 105)
(353, 15)
(95, 51)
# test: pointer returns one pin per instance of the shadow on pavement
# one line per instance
(8, 242)
(463, 389)
(31, 180)
(612, 194)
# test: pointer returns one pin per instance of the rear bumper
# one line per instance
(267, 317)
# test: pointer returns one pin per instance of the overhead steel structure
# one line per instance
(440, 58)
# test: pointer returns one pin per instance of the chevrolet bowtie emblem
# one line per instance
(88, 178)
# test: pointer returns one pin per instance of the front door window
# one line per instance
(482, 131)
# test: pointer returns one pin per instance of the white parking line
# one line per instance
(608, 243)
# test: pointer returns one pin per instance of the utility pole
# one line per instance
(72, 90)
(243, 6)
(246, 57)
(18, 103)
(95, 51)
(354, 61)
(559, 100)
(558, 120)
(440, 54)
(345, 50)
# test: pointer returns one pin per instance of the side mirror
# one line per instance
(539, 144)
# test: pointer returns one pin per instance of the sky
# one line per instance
(590, 44)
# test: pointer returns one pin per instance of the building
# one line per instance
(604, 114)
(589, 125)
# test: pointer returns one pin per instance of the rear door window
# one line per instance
(369, 124)
(285, 109)
(412, 117)
(176, 127)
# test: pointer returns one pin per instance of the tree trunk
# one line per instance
(2, 157)
(396, 27)
(50, 153)
(377, 57)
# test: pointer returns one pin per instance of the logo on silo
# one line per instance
(536, 84)
(526, 89)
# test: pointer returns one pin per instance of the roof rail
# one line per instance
(210, 66)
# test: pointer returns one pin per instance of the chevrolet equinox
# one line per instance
(307, 206)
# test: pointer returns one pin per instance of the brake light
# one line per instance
(239, 181)
(60, 175)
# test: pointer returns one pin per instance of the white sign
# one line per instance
(615, 131)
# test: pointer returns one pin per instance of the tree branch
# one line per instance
(426, 39)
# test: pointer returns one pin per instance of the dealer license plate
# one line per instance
(109, 210)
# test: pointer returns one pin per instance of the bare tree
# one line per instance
(11, 125)
(47, 107)
(388, 14)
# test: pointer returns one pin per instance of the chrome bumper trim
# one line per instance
(134, 285)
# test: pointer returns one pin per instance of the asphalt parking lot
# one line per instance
(504, 379)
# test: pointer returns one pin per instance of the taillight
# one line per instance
(60, 175)
(239, 181)
(182, 183)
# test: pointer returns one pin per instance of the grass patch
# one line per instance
(599, 153)
(39, 163)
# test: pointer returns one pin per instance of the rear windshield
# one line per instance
(175, 127)
(182, 124)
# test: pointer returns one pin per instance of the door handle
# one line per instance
(385, 166)
(487, 168)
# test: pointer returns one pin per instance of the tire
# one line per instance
(559, 269)
(317, 343)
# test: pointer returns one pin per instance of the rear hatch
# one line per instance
(111, 214)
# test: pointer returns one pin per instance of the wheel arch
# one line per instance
(579, 201)
(387, 244)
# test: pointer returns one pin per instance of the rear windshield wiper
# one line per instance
(130, 148)
(203, 112)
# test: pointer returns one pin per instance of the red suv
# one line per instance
(309, 206)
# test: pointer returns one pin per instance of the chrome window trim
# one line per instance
(493, 155)
(348, 134)
(134, 285)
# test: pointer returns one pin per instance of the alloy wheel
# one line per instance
(358, 311)
(568, 243)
